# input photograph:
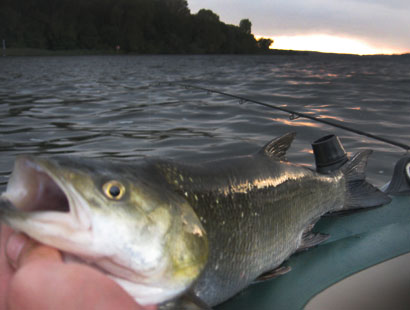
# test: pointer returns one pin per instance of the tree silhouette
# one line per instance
(265, 43)
(138, 26)
(246, 26)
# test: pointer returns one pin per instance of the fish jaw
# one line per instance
(145, 294)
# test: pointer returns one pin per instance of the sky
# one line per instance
(340, 26)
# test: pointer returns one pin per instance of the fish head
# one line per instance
(118, 219)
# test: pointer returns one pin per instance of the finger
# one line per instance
(42, 285)
(14, 246)
(6, 271)
(21, 250)
(43, 281)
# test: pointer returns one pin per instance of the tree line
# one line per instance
(138, 26)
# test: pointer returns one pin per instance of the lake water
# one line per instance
(123, 107)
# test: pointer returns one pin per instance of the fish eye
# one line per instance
(114, 190)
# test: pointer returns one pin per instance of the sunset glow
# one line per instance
(330, 44)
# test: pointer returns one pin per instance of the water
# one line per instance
(120, 107)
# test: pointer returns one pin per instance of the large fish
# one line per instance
(161, 228)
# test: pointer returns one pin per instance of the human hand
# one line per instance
(34, 276)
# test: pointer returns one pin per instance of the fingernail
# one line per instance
(14, 247)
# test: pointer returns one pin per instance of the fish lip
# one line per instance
(39, 172)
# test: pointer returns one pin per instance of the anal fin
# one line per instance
(281, 270)
(188, 301)
(311, 239)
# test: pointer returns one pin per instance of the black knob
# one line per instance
(329, 154)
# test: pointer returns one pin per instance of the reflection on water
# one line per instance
(340, 119)
(116, 107)
(297, 122)
(354, 108)
(309, 151)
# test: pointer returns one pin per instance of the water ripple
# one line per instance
(116, 107)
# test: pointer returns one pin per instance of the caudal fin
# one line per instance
(361, 194)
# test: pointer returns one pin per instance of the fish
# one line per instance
(186, 236)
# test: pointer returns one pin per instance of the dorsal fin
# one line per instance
(277, 147)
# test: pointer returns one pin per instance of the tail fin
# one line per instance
(361, 194)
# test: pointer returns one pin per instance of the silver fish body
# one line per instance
(255, 211)
(212, 227)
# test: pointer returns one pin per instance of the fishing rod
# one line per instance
(295, 114)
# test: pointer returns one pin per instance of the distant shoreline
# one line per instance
(46, 52)
(85, 52)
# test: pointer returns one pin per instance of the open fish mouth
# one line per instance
(32, 188)
(41, 204)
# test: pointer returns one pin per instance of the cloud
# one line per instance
(379, 22)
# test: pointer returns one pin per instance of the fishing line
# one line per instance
(295, 114)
